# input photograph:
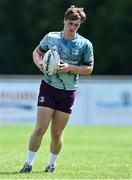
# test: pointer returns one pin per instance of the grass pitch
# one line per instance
(88, 153)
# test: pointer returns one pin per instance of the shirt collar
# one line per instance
(62, 34)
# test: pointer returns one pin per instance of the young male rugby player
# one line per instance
(57, 92)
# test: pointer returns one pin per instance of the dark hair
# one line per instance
(75, 13)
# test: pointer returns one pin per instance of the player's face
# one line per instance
(71, 27)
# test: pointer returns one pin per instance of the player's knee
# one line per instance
(39, 131)
(56, 136)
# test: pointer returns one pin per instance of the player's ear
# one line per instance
(64, 21)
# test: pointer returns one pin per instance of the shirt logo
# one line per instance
(75, 52)
(41, 99)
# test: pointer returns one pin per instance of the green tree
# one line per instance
(24, 23)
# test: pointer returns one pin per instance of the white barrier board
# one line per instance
(104, 103)
(18, 101)
(97, 102)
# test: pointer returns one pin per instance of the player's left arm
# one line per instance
(83, 69)
(86, 66)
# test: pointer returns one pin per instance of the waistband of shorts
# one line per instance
(62, 90)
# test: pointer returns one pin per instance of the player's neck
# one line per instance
(67, 36)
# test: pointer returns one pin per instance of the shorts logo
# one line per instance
(41, 99)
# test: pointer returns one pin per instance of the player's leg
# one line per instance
(63, 106)
(44, 115)
(59, 122)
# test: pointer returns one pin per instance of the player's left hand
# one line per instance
(63, 67)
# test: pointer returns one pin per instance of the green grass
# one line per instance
(88, 153)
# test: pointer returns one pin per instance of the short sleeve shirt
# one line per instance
(77, 51)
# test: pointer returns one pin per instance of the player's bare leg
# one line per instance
(59, 122)
(44, 115)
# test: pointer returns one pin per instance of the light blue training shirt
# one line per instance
(77, 51)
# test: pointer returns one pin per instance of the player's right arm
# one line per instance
(37, 58)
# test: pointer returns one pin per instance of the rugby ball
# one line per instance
(51, 61)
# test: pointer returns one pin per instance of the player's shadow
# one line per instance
(8, 173)
(15, 172)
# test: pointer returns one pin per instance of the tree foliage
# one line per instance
(24, 23)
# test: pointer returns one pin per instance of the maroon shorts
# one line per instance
(54, 98)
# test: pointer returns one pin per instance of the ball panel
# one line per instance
(51, 60)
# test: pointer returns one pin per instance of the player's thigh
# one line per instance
(44, 115)
(59, 122)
